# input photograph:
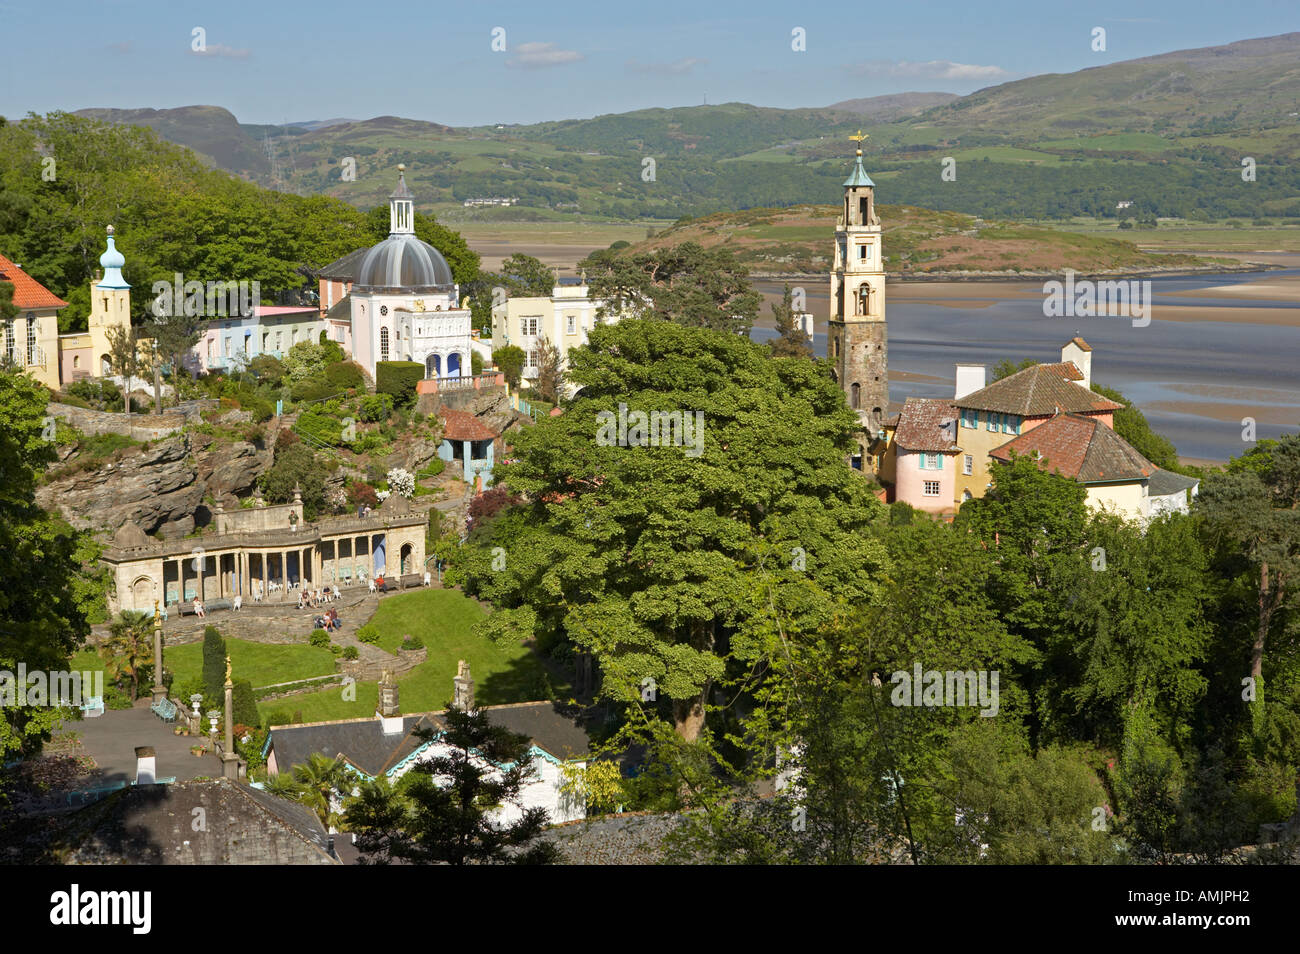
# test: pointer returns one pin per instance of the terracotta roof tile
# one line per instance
(1040, 391)
(28, 292)
(921, 425)
(464, 426)
(1082, 345)
(1081, 448)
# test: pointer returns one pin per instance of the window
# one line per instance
(970, 419)
(856, 396)
(532, 359)
(225, 348)
(931, 488)
(76, 361)
(931, 462)
(995, 422)
(530, 327)
(968, 465)
(383, 344)
(210, 344)
(965, 496)
(11, 343)
(573, 324)
(31, 338)
(1012, 424)
(862, 252)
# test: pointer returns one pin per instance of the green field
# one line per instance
(444, 620)
(1248, 238)
(262, 664)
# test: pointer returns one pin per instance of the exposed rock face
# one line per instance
(160, 488)
(239, 467)
(155, 487)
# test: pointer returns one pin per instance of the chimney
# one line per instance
(1080, 352)
(146, 765)
(970, 378)
(390, 713)
(463, 688)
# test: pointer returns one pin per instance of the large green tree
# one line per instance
(687, 284)
(649, 555)
(42, 614)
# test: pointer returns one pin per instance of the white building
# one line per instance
(404, 304)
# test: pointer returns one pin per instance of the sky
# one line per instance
(278, 61)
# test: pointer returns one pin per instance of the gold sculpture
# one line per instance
(859, 140)
(228, 670)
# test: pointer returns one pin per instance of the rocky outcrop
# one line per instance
(161, 487)
(140, 427)
(240, 465)
(156, 487)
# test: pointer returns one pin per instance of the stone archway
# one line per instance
(143, 593)
(105, 366)
(453, 365)
(407, 560)
(433, 366)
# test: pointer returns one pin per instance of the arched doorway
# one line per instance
(105, 366)
(453, 365)
(856, 392)
(142, 593)
(407, 559)
(433, 366)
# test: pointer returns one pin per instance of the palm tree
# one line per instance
(127, 651)
(313, 783)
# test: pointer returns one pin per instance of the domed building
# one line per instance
(403, 302)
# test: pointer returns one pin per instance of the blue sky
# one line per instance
(274, 61)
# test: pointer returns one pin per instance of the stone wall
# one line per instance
(140, 427)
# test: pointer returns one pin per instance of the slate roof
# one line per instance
(28, 292)
(341, 310)
(1165, 482)
(1040, 391)
(920, 425)
(1081, 448)
(344, 269)
(362, 742)
(152, 824)
(464, 426)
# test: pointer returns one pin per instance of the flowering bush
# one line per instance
(401, 482)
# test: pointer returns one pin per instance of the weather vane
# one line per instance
(858, 139)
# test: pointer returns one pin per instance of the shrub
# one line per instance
(359, 493)
(342, 375)
(285, 440)
(335, 648)
(312, 389)
(433, 468)
(412, 642)
(101, 392)
(243, 704)
(399, 379)
(368, 633)
(214, 663)
(296, 465)
(376, 407)
(488, 504)
(319, 638)
(475, 362)
(321, 426)
(267, 369)
(401, 482)
(351, 652)
(510, 360)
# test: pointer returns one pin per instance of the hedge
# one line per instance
(342, 375)
(399, 379)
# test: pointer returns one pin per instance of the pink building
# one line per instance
(923, 464)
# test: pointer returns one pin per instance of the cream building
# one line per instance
(563, 319)
(256, 547)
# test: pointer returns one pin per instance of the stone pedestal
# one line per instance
(230, 766)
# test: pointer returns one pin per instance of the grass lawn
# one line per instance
(262, 664)
(444, 619)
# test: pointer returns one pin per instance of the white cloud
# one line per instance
(932, 69)
(540, 55)
(677, 68)
(220, 49)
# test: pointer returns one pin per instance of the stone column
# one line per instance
(284, 573)
(159, 690)
(180, 581)
(229, 760)
(264, 576)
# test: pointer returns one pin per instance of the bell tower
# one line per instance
(110, 305)
(857, 346)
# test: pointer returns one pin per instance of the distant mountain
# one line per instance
(1234, 86)
(1165, 132)
(211, 131)
(893, 106)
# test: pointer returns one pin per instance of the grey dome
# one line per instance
(403, 261)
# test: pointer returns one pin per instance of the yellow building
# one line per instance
(31, 338)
